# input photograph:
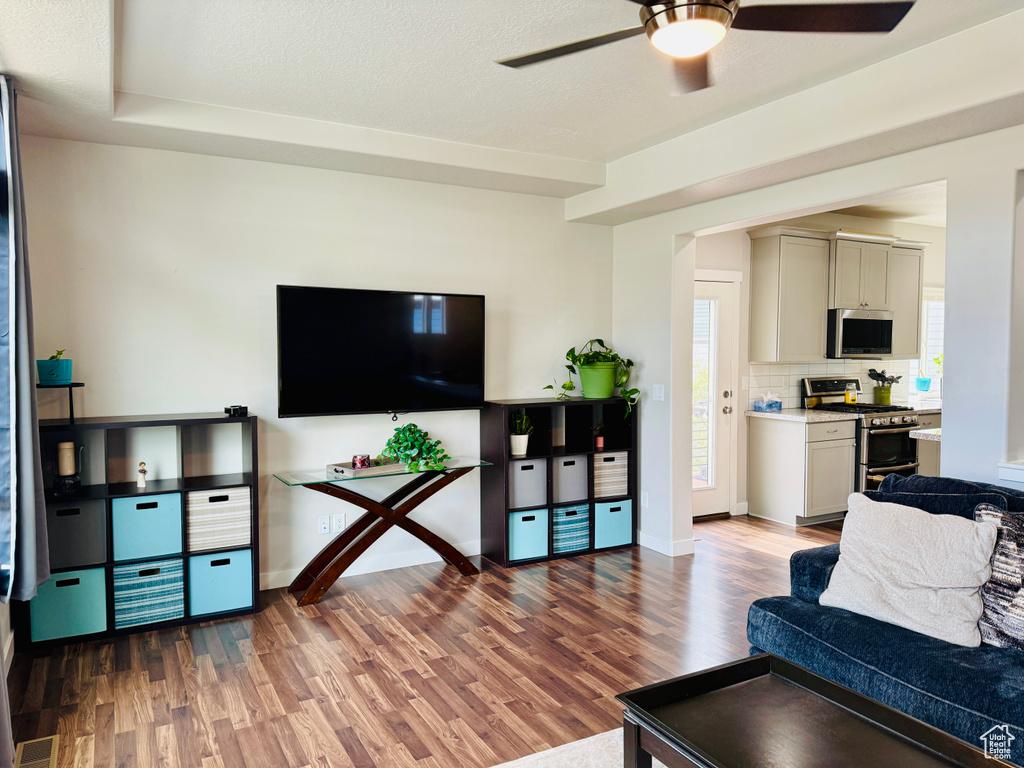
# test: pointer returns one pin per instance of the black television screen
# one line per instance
(354, 351)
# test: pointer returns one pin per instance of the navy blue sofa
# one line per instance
(963, 691)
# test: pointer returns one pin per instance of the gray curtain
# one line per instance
(24, 557)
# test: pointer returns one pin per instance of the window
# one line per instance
(933, 326)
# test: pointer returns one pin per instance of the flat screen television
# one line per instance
(342, 351)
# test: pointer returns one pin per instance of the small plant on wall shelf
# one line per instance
(601, 370)
(413, 446)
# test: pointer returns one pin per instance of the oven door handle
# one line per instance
(894, 431)
(897, 468)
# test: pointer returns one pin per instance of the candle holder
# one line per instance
(68, 480)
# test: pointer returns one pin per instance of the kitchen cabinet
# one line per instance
(859, 274)
(800, 473)
(905, 270)
(788, 296)
(929, 451)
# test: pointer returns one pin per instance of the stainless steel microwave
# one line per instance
(859, 333)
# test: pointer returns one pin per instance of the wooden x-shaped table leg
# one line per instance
(334, 559)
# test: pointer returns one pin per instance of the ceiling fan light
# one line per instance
(688, 29)
(688, 38)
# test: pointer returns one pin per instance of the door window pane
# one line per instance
(705, 404)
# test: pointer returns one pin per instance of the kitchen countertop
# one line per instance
(804, 416)
(934, 435)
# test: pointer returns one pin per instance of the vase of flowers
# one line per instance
(883, 386)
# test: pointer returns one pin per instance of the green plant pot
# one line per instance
(883, 395)
(597, 380)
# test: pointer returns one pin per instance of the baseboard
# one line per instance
(372, 564)
(664, 546)
(741, 509)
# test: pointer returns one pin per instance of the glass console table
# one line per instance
(390, 512)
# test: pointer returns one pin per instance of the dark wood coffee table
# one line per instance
(764, 712)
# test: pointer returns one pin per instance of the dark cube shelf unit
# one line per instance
(564, 497)
(125, 559)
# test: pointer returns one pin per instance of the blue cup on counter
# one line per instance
(922, 385)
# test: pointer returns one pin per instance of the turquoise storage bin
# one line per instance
(613, 524)
(220, 582)
(146, 526)
(145, 593)
(571, 528)
(528, 534)
(70, 604)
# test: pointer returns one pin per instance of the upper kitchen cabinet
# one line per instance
(905, 271)
(789, 280)
(860, 275)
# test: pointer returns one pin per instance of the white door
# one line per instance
(715, 406)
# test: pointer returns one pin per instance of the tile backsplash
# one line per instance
(786, 379)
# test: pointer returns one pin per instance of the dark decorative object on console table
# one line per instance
(566, 496)
(184, 549)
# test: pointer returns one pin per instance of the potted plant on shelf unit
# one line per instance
(883, 386)
(412, 446)
(56, 369)
(601, 370)
(520, 428)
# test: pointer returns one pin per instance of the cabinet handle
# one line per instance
(149, 572)
(225, 561)
(148, 505)
(568, 463)
(831, 431)
(216, 499)
(608, 458)
(529, 518)
(67, 583)
(68, 512)
(571, 513)
(615, 509)
(527, 468)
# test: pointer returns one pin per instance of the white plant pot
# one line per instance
(519, 443)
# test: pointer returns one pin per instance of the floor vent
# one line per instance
(38, 753)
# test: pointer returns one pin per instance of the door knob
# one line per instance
(727, 410)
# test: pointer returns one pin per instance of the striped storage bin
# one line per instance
(145, 593)
(218, 519)
(572, 528)
(611, 474)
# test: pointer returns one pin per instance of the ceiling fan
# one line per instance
(687, 29)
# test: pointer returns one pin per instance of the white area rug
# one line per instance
(601, 751)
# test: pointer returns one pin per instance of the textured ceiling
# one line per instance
(426, 67)
(924, 204)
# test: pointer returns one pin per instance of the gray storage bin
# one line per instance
(528, 486)
(569, 478)
(77, 533)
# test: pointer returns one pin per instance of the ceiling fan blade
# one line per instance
(692, 73)
(564, 50)
(837, 17)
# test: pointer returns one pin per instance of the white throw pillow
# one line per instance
(913, 569)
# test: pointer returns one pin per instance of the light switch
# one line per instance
(658, 392)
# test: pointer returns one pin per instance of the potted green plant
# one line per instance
(883, 386)
(601, 371)
(56, 369)
(412, 446)
(520, 428)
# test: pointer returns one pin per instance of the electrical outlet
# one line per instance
(643, 498)
(323, 524)
(337, 523)
(658, 392)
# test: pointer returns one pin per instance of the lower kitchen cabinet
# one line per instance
(799, 473)
(929, 451)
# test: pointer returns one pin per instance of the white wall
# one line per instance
(981, 174)
(157, 271)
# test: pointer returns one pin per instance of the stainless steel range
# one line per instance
(884, 445)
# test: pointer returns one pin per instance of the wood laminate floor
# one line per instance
(412, 667)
